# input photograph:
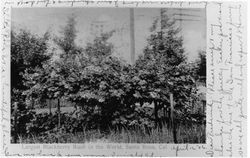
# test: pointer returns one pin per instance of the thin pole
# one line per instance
(161, 16)
(59, 113)
(59, 120)
(172, 117)
(157, 121)
(132, 35)
(161, 23)
(15, 122)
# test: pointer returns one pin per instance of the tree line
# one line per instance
(109, 91)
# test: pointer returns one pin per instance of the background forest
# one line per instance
(90, 95)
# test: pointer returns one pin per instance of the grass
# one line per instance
(185, 134)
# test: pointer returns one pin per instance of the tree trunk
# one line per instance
(169, 117)
(157, 120)
(172, 118)
(165, 114)
(59, 120)
(156, 114)
(59, 113)
(15, 124)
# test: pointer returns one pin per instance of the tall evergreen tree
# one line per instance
(164, 68)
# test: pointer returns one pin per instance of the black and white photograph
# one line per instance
(108, 75)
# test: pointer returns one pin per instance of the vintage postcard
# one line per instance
(123, 78)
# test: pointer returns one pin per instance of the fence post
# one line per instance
(156, 114)
(15, 122)
(59, 113)
(59, 120)
(173, 125)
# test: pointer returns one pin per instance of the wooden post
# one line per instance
(165, 113)
(156, 114)
(15, 122)
(59, 113)
(59, 120)
(173, 125)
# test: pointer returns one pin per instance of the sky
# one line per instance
(39, 20)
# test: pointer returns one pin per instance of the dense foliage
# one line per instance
(109, 92)
(28, 52)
